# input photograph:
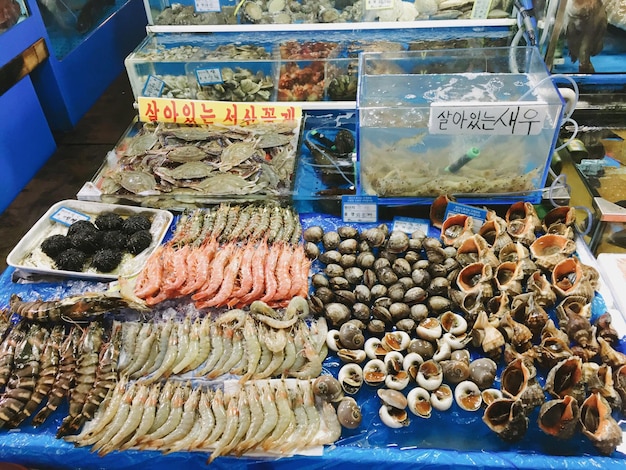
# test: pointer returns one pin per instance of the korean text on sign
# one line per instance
(508, 119)
(214, 112)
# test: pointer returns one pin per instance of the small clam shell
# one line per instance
(337, 313)
(467, 395)
(414, 295)
(392, 398)
(429, 375)
(442, 397)
(334, 270)
(374, 236)
(354, 275)
(345, 231)
(348, 260)
(374, 348)
(313, 234)
(348, 246)
(396, 340)
(312, 250)
(419, 312)
(327, 388)
(374, 372)
(349, 413)
(319, 280)
(331, 240)
(398, 242)
(361, 311)
(419, 402)
(365, 259)
(350, 377)
(330, 257)
(352, 355)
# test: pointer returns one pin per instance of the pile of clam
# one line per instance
(474, 317)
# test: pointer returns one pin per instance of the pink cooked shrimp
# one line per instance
(149, 280)
(205, 254)
(258, 274)
(218, 265)
(271, 284)
(228, 283)
(245, 273)
(283, 278)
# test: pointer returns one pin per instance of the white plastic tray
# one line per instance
(28, 257)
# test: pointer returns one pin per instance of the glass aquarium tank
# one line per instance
(466, 122)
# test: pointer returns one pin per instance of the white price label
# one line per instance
(209, 76)
(67, 216)
(153, 87)
(378, 4)
(502, 118)
(207, 5)
(408, 225)
(480, 10)
(359, 208)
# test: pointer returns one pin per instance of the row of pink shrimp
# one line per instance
(233, 274)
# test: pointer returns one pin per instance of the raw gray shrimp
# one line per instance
(233, 425)
(272, 367)
(147, 418)
(232, 357)
(286, 418)
(262, 226)
(156, 353)
(193, 348)
(231, 222)
(140, 343)
(313, 416)
(76, 308)
(91, 432)
(217, 350)
(332, 426)
(218, 410)
(289, 224)
(128, 342)
(172, 421)
(64, 378)
(163, 406)
(185, 424)
(169, 359)
(201, 428)
(275, 224)
(118, 420)
(253, 349)
(133, 419)
(290, 357)
(270, 413)
(242, 223)
(221, 218)
(207, 227)
(296, 236)
(292, 441)
(184, 328)
(256, 418)
(165, 332)
(204, 344)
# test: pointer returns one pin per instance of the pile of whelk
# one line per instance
(411, 311)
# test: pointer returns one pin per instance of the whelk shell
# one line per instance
(559, 418)
(456, 228)
(549, 249)
(506, 418)
(598, 425)
(568, 279)
(565, 379)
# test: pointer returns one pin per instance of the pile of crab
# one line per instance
(497, 319)
(194, 161)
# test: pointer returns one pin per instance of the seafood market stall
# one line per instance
(238, 285)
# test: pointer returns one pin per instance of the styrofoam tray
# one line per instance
(28, 257)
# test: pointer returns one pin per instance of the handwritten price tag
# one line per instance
(67, 216)
(359, 208)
